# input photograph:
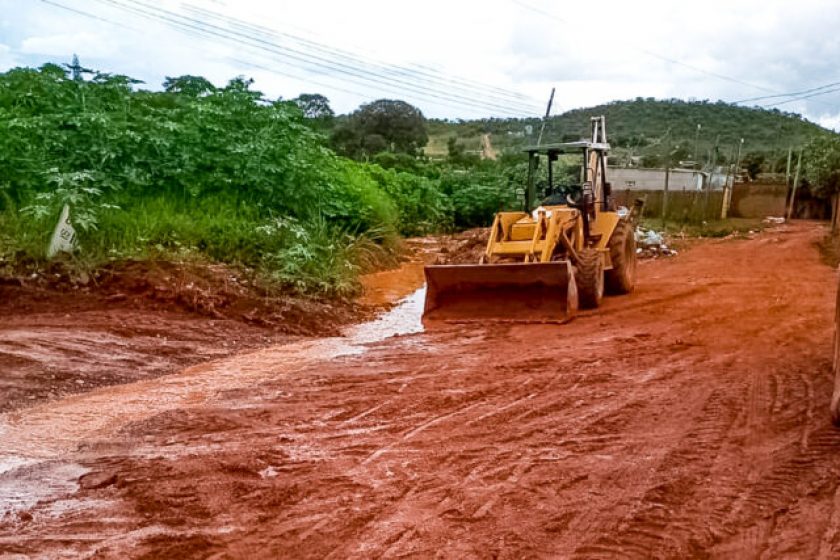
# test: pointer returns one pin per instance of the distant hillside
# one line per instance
(649, 128)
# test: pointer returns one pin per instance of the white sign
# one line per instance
(64, 236)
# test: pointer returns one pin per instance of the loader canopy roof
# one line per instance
(567, 147)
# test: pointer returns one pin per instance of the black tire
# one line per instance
(621, 279)
(589, 277)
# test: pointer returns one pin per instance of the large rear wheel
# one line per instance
(590, 278)
(622, 277)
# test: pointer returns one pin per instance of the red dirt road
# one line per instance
(689, 419)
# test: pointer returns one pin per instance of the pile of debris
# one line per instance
(650, 244)
(773, 220)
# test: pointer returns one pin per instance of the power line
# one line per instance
(419, 71)
(274, 70)
(88, 14)
(791, 94)
(540, 11)
(800, 98)
(645, 51)
(197, 31)
(307, 58)
(243, 62)
(377, 68)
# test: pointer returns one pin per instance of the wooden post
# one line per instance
(530, 189)
(787, 176)
(787, 173)
(835, 213)
(727, 189)
(795, 184)
(713, 162)
(665, 193)
(724, 205)
(735, 174)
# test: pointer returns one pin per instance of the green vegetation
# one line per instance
(305, 198)
(821, 165)
(650, 129)
(384, 125)
(218, 172)
(222, 174)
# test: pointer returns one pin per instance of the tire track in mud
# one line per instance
(733, 512)
(492, 478)
(683, 421)
(659, 522)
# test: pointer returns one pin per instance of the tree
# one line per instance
(753, 163)
(314, 106)
(382, 125)
(822, 165)
(457, 153)
(193, 86)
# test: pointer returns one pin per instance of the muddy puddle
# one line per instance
(41, 435)
(382, 289)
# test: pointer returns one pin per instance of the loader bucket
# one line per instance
(510, 292)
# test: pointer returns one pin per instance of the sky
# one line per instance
(453, 59)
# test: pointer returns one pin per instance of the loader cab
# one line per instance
(560, 174)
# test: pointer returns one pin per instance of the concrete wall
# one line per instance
(636, 179)
(754, 200)
(749, 200)
(690, 205)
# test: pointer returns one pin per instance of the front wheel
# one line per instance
(590, 278)
(622, 246)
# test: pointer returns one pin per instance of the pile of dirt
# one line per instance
(65, 332)
(217, 291)
(465, 247)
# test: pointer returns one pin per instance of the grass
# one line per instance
(312, 256)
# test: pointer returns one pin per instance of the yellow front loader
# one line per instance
(542, 263)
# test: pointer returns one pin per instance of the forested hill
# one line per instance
(642, 126)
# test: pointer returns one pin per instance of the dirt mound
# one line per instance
(212, 290)
(65, 332)
(465, 247)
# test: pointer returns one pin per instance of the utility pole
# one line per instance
(545, 119)
(727, 189)
(712, 162)
(668, 153)
(778, 141)
(787, 175)
(665, 192)
(696, 139)
(723, 205)
(795, 183)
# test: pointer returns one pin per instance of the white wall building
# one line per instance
(636, 179)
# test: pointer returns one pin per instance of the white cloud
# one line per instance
(7, 57)
(831, 121)
(616, 50)
(82, 43)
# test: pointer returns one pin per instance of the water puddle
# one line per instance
(33, 439)
(384, 288)
(25, 486)
(52, 429)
